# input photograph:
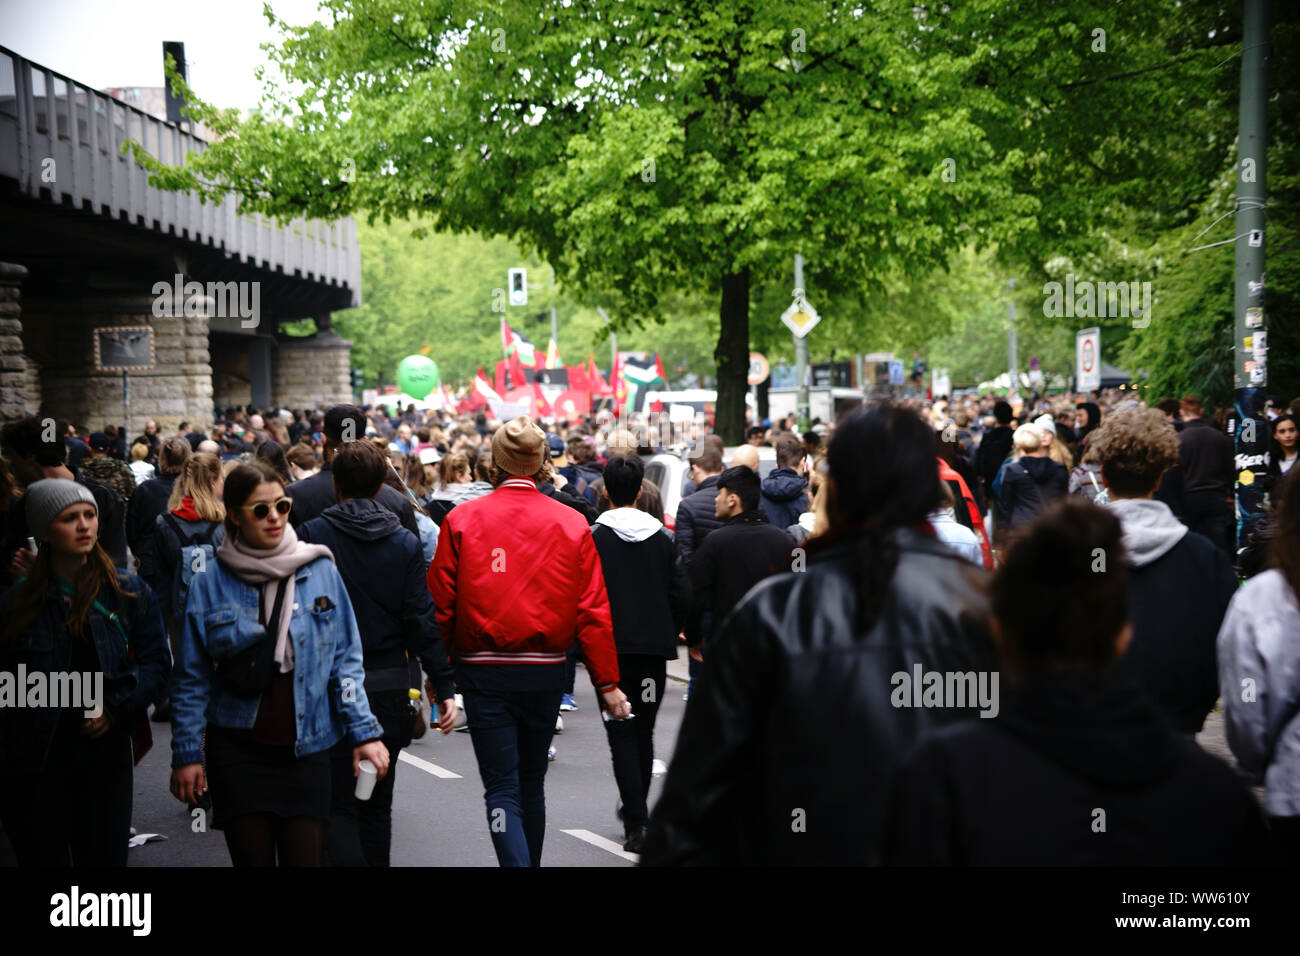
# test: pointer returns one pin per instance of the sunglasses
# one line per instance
(263, 508)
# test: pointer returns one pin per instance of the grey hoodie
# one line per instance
(1150, 528)
(630, 524)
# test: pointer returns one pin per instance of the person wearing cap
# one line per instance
(1056, 449)
(34, 452)
(66, 778)
(516, 580)
(100, 466)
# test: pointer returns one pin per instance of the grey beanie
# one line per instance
(47, 497)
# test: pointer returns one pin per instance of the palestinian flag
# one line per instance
(517, 343)
(638, 375)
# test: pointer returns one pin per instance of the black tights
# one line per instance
(254, 839)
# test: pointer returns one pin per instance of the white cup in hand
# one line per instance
(366, 779)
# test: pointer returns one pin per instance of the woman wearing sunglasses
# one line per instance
(270, 666)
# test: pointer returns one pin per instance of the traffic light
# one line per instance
(518, 285)
(358, 379)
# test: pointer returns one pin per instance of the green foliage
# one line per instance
(654, 156)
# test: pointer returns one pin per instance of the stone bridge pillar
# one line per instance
(20, 390)
(312, 372)
(58, 332)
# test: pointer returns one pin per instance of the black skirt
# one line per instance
(249, 777)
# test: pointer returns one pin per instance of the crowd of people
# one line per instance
(288, 587)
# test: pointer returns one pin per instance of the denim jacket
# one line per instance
(221, 619)
(129, 688)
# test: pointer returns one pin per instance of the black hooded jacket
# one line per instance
(383, 569)
(1074, 771)
(312, 495)
(1028, 484)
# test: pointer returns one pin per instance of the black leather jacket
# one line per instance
(789, 746)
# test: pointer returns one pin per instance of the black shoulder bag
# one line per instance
(248, 673)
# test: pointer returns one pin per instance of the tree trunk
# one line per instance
(732, 358)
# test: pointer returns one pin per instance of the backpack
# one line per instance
(197, 553)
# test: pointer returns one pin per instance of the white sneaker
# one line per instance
(559, 725)
(550, 753)
(658, 768)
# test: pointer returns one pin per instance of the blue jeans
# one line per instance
(511, 714)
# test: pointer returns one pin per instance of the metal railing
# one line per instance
(63, 140)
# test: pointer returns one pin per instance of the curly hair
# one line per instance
(1135, 447)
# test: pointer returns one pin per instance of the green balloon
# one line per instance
(417, 375)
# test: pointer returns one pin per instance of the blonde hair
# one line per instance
(139, 452)
(198, 481)
(1026, 438)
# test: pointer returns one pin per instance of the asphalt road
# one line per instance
(438, 812)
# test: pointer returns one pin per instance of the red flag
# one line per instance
(573, 403)
(596, 383)
(578, 378)
(517, 377)
(541, 407)
(659, 368)
(499, 382)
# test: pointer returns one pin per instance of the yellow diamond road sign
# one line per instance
(800, 318)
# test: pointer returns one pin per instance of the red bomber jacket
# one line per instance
(516, 579)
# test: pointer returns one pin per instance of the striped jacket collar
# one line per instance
(525, 484)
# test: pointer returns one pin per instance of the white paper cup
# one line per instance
(366, 780)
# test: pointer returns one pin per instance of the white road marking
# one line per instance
(428, 767)
(596, 840)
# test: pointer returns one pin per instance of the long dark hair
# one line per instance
(272, 453)
(884, 476)
(1285, 551)
(96, 571)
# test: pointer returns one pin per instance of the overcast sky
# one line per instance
(112, 43)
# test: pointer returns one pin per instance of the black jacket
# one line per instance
(1206, 456)
(991, 453)
(1028, 484)
(1179, 587)
(566, 497)
(383, 568)
(142, 511)
(784, 497)
(696, 517)
(732, 560)
(790, 741)
(647, 591)
(136, 670)
(312, 495)
(1073, 772)
(167, 559)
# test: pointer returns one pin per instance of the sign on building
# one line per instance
(1087, 360)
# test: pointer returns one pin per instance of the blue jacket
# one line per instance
(221, 619)
(26, 733)
(784, 497)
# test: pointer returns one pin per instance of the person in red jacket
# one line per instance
(515, 580)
